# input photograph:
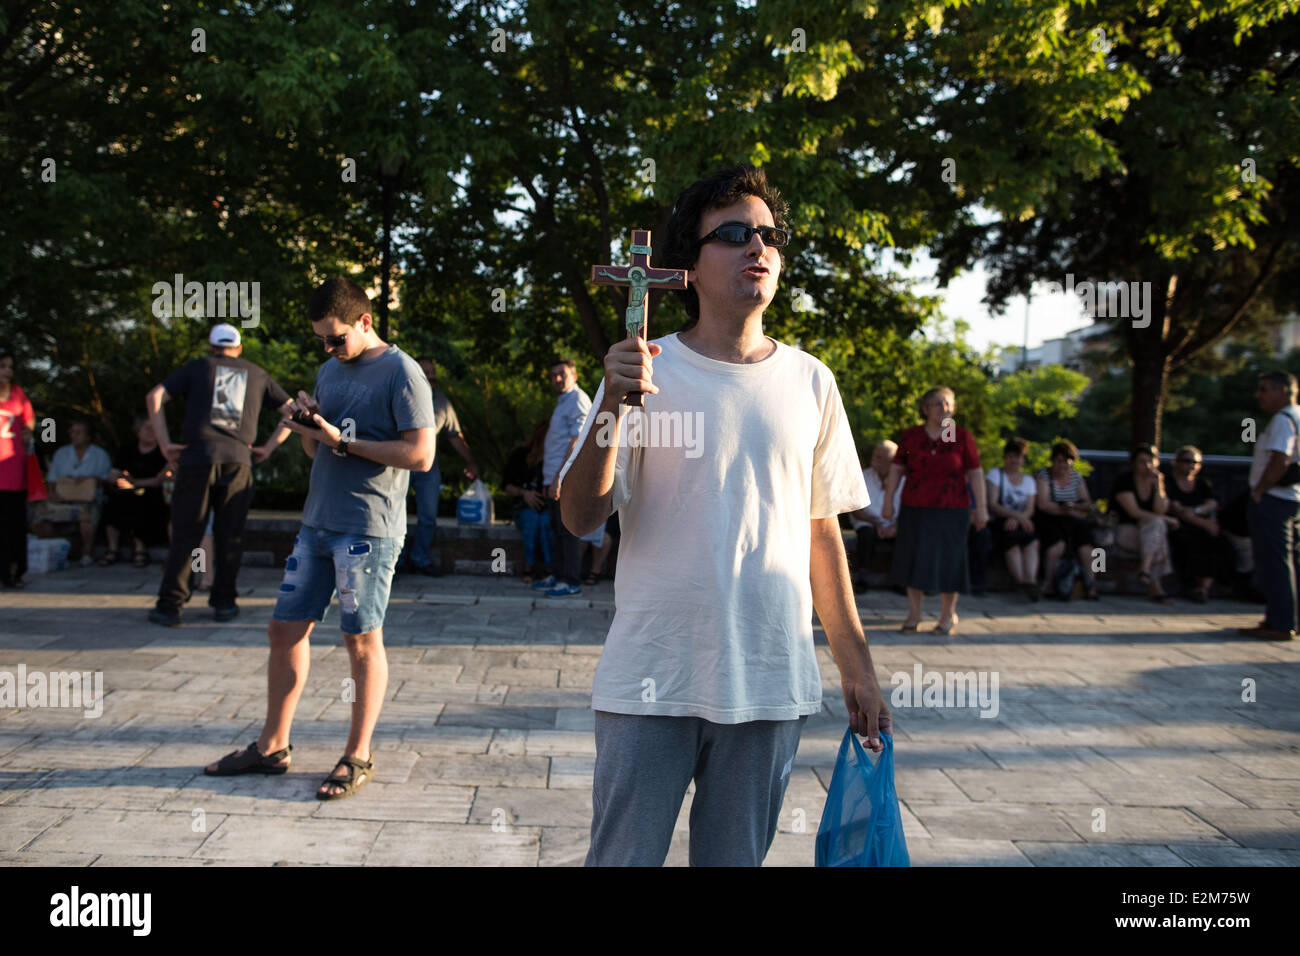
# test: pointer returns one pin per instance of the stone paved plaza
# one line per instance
(1117, 712)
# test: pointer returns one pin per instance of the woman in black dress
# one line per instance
(134, 510)
(1197, 545)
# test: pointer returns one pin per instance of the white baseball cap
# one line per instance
(224, 334)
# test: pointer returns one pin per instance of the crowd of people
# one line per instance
(948, 518)
(194, 496)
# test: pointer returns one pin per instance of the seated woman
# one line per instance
(1012, 497)
(523, 479)
(1196, 545)
(1144, 522)
(1062, 515)
(135, 511)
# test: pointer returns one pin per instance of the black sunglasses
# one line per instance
(332, 341)
(738, 234)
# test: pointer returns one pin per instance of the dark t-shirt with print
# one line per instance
(224, 397)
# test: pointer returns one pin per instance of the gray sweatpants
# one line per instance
(644, 765)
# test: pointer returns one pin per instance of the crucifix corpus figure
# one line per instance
(638, 277)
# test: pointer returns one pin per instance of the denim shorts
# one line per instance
(358, 567)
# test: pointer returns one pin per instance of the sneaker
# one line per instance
(563, 590)
(546, 583)
(86, 561)
(165, 618)
(225, 613)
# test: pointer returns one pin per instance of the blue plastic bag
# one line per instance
(861, 824)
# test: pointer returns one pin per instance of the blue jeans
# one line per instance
(427, 485)
(535, 528)
(359, 567)
(1275, 536)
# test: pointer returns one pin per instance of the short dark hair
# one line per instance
(429, 359)
(1065, 447)
(723, 188)
(1280, 378)
(340, 299)
(561, 360)
(1015, 446)
(1144, 450)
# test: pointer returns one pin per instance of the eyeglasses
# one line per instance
(1189, 461)
(332, 341)
(739, 234)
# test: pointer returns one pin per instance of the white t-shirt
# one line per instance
(1278, 436)
(1014, 497)
(876, 492)
(713, 606)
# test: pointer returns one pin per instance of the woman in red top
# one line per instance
(943, 471)
(16, 422)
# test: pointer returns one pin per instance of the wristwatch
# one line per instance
(341, 449)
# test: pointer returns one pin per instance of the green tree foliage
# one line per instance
(1196, 190)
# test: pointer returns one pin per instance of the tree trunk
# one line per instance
(1150, 375)
(588, 315)
(1149, 349)
(386, 266)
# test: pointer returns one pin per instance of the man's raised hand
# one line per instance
(629, 367)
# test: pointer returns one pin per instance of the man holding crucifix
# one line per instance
(709, 672)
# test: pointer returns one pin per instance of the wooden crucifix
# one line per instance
(638, 277)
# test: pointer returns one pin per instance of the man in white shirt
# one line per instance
(729, 485)
(1275, 507)
(571, 408)
(868, 524)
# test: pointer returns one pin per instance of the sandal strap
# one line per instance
(250, 755)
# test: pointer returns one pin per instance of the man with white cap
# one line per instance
(213, 465)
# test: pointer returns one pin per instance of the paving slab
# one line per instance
(485, 749)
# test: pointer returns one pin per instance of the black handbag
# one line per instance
(1292, 474)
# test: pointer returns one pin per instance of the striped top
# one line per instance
(1058, 494)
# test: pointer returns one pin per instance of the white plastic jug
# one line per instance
(475, 505)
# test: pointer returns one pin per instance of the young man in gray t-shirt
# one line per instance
(371, 424)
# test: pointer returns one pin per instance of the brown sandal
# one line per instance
(359, 774)
(251, 760)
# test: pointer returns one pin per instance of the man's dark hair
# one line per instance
(85, 423)
(340, 299)
(1065, 447)
(1280, 378)
(1015, 446)
(562, 360)
(723, 188)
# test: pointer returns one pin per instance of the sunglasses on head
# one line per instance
(738, 234)
(332, 341)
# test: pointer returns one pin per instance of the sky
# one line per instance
(1050, 315)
